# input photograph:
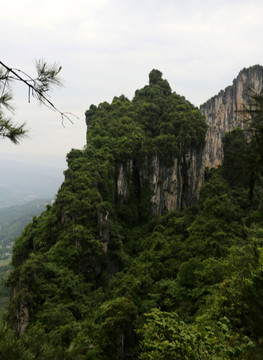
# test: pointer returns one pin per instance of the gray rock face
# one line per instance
(176, 187)
(173, 187)
(104, 229)
(223, 112)
(122, 180)
(22, 315)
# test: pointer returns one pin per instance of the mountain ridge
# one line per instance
(144, 253)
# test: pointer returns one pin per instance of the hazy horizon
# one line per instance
(29, 176)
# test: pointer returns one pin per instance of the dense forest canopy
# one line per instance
(96, 276)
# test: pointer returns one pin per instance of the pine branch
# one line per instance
(37, 87)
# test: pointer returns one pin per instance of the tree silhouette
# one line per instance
(47, 75)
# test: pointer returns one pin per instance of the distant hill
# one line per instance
(13, 220)
(28, 177)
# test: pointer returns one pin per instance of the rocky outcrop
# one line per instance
(176, 186)
(104, 229)
(22, 317)
(223, 112)
(122, 187)
(173, 187)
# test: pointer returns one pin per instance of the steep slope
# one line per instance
(121, 241)
(138, 158)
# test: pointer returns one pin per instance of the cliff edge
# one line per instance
(222, 112)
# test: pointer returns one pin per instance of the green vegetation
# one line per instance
(5, 267)
(97, 277)
(12, 221)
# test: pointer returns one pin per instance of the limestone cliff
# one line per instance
(173, 187)
(147, 150)
(176, 186)
(222, 112)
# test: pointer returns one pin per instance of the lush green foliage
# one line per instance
(165, 336)
(13, 220)
(97, 277)
(5, 267)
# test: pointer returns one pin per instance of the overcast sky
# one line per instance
(108, 47)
